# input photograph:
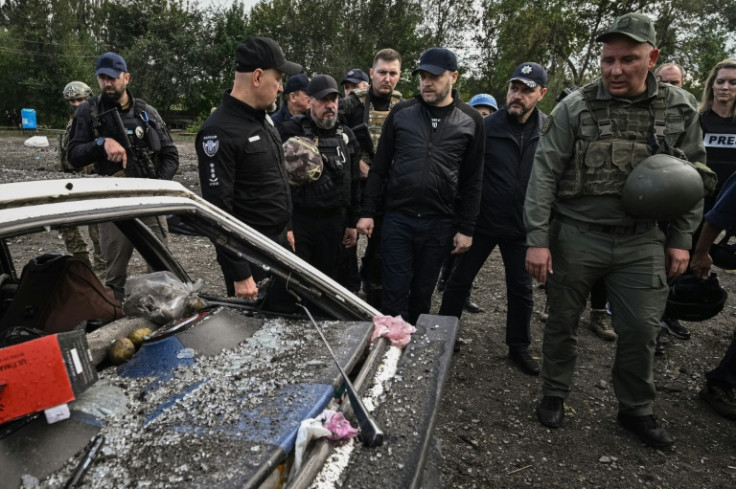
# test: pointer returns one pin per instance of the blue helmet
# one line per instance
(484, 99)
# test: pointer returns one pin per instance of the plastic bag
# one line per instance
(37, 142)
(161, 297)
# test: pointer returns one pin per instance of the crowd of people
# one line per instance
(435, 184)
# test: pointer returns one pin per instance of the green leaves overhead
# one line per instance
(181, 53)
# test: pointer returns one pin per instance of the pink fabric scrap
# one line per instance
(395, 329)
(340, 428)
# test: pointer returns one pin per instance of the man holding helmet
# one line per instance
(588, 147)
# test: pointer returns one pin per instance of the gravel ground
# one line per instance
(487, 430)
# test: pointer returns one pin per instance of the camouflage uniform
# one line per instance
(72, 236)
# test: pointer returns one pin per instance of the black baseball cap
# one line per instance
(530, 74)
(355, 76)
(634, 25)
(321, 86)
(263, 53)
(110, 64)
(295, 83)
(436, 61)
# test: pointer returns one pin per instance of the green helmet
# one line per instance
(77, 89)
(662, 187)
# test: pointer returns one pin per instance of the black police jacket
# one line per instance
(83, 149)
(422, 172)
(508, 158)
(241, 170)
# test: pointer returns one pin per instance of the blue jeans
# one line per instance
(413, 250)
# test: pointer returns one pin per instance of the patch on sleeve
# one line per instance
(210, 145)
(547, 124)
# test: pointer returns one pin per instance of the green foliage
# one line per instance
(181, 53)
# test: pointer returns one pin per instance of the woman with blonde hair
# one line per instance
(718, 120)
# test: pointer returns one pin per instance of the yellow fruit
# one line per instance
(138, 336)
(120, 351)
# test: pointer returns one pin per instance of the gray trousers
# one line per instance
(633, 269)
(117, 250)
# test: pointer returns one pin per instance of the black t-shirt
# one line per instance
(438, 113)
(719, 135)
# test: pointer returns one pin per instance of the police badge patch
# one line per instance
(210, 145)
(139, 132)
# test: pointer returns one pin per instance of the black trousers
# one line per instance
(318, 237)
(518, 286)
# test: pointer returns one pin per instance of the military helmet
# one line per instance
(693, 299)
(77, 89)
(303, 160)
(662, 187)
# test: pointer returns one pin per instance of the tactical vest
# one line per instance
(612, 138)
(140, 130)
(332, 189)
(373, 118)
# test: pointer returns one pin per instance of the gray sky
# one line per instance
(225, 3)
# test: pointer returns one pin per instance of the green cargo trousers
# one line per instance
(633, 268)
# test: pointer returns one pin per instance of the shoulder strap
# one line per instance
(659, 110)
(306, 126)
(599, 110)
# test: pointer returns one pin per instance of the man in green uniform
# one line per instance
(588, 146)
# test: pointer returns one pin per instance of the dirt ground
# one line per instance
(487, 429)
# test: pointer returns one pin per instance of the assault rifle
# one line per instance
(137, 151)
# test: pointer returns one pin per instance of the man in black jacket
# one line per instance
(96, 138)
(325, 208)
(428, 170)
(241, 163)
(511, 140)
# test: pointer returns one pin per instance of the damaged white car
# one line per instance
(216, 393)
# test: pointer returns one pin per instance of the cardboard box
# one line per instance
(43, 373)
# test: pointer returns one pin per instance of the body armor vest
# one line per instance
(373, 118)
(612, 138)
(141, 136)
(332, 189)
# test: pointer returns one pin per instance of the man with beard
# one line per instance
(96, 137)
(241, 163)
(368, 108)
(579, 229)
(427, 172)
(326, 208)
(511, 139)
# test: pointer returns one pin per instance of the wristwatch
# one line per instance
(100, 142)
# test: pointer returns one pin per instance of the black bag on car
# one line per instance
(57, 292)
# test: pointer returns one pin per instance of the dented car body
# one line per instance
(215, 398)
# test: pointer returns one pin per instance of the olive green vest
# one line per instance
(375, 119)
(612, 138)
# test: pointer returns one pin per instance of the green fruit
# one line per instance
(120, 351)
(138, 336)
